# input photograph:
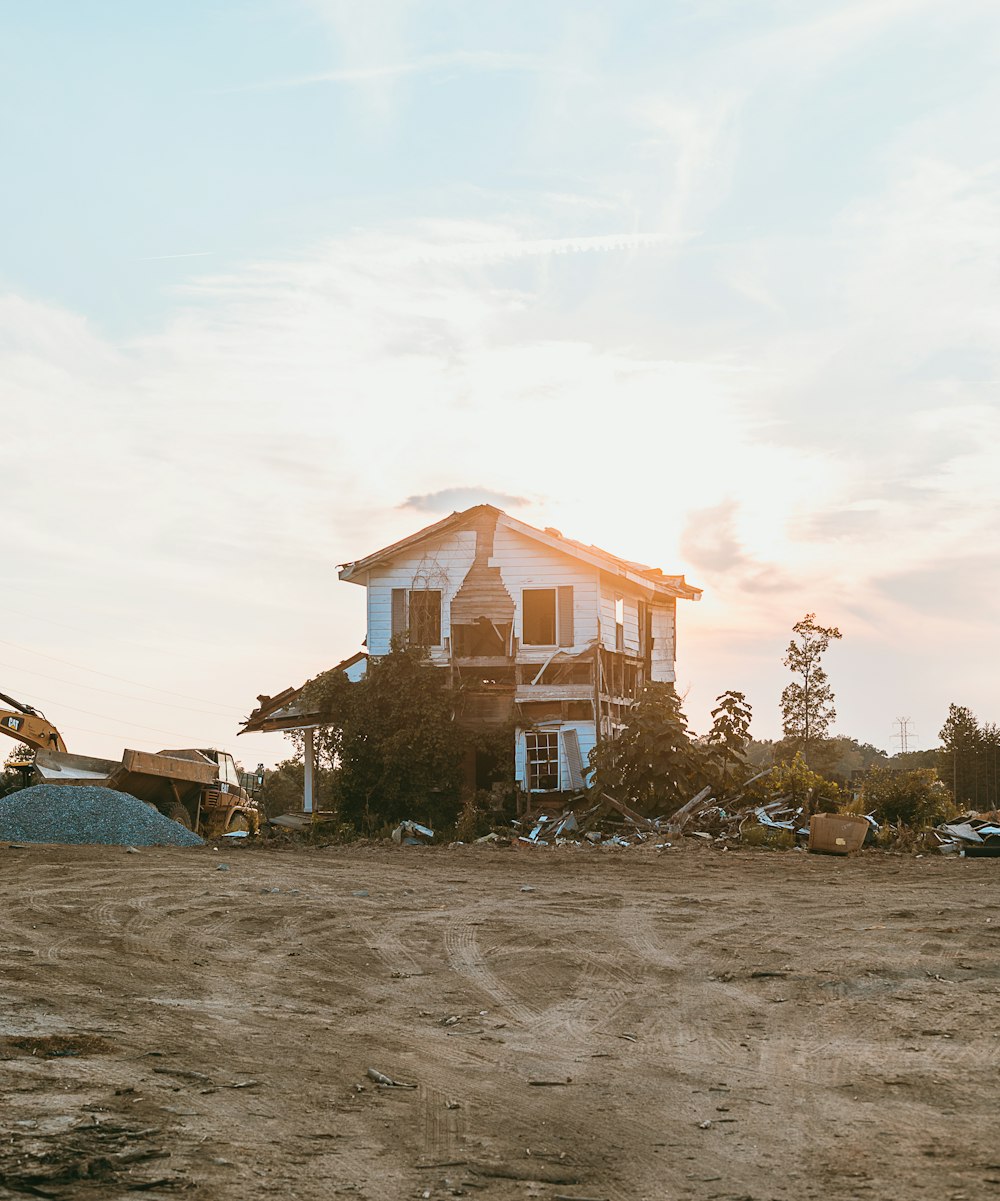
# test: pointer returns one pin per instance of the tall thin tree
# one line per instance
(807, 708)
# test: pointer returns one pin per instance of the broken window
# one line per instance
(543, 761)
(425, 617)
(485, 639)
(417, 615)
(619, 623)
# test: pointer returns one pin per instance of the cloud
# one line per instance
(963, 586)
(451, 499)
(710, 543)
(383, 72)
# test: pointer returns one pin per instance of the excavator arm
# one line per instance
(25, 724)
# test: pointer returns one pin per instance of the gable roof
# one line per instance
(637, 573)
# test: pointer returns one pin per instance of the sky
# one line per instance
(710, 283)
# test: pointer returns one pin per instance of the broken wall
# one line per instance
(525, 563)
(440, 565)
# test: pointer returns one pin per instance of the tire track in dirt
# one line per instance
(461, 944)
(48, 921)
(387, 944)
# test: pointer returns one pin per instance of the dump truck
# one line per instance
(198, 787)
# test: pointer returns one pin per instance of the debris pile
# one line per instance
(971, 836)
(412, 834)
(608, 823)
(65, 813)
(611, 823)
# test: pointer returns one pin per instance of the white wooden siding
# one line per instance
(610, 590)
(586, 733)
(442, 565)
(664, 642)
(525, 563)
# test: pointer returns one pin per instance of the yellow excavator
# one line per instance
(200, 788)
(28, 726)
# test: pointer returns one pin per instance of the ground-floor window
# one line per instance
(543, 762)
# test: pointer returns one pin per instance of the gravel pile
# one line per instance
(70, 814)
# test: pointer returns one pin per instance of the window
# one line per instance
(425, 618)
(539, 616)
(417, 615)
(543, 762)
(547, 616)
(619, 623)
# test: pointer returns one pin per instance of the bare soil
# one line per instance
(578, 1023)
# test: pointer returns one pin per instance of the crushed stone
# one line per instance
(68, 813)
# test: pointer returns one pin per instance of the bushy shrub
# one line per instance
(804, 786)
(909, 798)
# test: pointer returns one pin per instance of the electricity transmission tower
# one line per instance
(902, 735)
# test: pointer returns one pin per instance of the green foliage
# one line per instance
(474, 818)
(838, 758)
(11, 779)
(909, 760)
(795, 779)
(911, 798)
(969, 760)
(284, 788)
(728, 740)
(807, 709)
(753, 835)
(657, 766)
(394, 741)
(654, 764)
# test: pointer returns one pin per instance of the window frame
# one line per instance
(411, 638)
(552, 760)
(401, 619)
(554, 592)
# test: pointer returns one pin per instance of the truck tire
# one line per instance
(179, 814)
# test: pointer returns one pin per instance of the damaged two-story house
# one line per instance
(539, 630)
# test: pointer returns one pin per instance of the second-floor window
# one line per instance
(547, 616)
(539, 616)
(417, 612)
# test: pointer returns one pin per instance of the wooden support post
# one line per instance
(309, 758)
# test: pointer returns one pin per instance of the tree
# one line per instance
(838, 758)
(807, 703)
(14, 773)
(393, 739)
(654, 763)
(284, 786)
(728, 740)
(969, 758)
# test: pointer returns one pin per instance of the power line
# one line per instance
(108, 692)
(120, 679)
(40, 700)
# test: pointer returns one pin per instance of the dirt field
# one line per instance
(628, 1025)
